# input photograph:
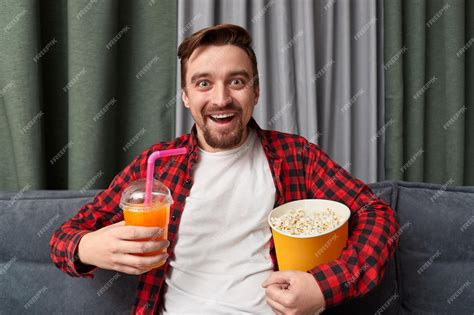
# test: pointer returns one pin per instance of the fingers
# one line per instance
(277, 294)
(131, 270)
(276, 307)
(277, 277)
(133, 264)
(134, 247)
(128, 232)
(283, 286)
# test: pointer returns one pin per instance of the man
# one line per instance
(220, 248)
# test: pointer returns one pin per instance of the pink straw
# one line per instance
(151, 166)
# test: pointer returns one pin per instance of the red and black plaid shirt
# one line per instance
(300, 170)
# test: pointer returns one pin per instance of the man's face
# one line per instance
(220, 94)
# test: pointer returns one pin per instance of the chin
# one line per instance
(227, 141)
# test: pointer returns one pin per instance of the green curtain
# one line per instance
(429, 90)
(84, 87)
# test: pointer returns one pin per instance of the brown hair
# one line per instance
(221, 34)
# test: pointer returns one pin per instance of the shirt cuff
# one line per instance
(332, 281)
(78, 268)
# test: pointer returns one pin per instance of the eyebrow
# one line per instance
(198, 75)
(243, 73)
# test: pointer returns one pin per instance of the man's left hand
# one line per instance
(293, 293)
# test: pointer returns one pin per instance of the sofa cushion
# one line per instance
(29, 281)
(436, 249)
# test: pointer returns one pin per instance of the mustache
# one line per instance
(230, 107)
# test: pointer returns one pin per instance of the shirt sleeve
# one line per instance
(372, 230)
(102, 211)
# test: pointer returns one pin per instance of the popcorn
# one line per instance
(301, 223)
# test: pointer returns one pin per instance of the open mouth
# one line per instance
(222, 118)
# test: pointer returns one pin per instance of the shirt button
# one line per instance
(173, 218)
(188, 181)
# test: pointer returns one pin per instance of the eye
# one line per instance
(237, 82)
(203, 83)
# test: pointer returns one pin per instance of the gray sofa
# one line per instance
(432, 272)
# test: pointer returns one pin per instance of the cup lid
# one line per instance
(134, 193)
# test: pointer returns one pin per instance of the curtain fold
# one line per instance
(20, 21)
(428, 91)
(318, 71)
(84, 87)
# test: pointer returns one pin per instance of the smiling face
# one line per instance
(220, 94)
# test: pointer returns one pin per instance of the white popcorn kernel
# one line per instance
(299, 223)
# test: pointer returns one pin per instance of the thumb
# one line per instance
(277, 277)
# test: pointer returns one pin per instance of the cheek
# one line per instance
(245, 99)
(196, 111)
(248, 104)
(196, 103)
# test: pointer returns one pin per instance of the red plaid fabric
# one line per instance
(300, 170)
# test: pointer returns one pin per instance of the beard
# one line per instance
(226, 139)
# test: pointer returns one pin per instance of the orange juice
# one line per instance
(155, 215)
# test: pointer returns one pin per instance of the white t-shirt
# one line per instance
(222, 253)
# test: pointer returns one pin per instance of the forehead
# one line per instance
(218, 59)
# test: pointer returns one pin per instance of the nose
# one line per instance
(221, 96)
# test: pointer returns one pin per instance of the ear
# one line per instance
(185, 98)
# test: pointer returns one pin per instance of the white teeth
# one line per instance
(220, 116)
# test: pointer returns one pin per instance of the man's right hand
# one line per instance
(112, 247)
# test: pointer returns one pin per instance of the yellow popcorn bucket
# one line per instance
(306, 252)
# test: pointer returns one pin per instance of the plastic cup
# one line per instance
(156, 213)
(306, 252)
